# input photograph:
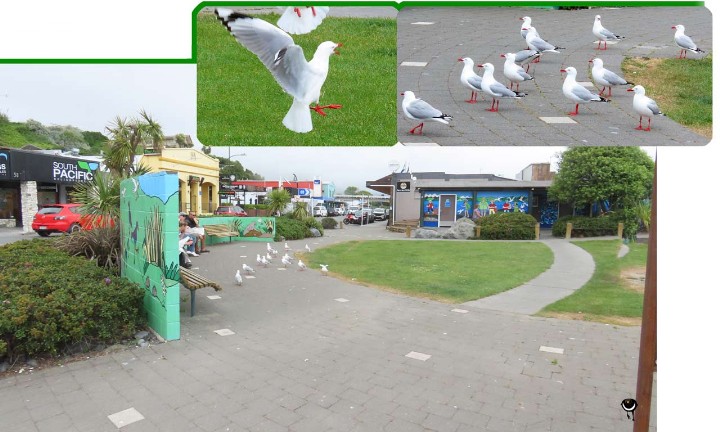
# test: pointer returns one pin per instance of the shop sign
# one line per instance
(4, 165)
(402, 186)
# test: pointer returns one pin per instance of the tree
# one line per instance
(125, 138)
(621, 176)
(277, 200)
(351, 190)
(230, 167)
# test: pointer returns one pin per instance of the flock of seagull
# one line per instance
(286, 260)
(516, 70)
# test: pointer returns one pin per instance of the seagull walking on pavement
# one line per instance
(238, 278)
(577, 93)
(470, 79)
(269, 248)
(301, 79)
(524, 28)
(418, 109)
(302, 19)
(324, 269)
(285, 262)
(495, 89)
(513, 72)
(644, 106)
(307, 248)
(684, 41)
(247, 269)
(606, 78)
(268, 257)
(287, 257)
(535, 42)
(525, 57)
(287, 247)
(603, 34)
(264, 262)
(301, 265)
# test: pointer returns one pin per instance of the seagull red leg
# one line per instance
(313, 10)
(412, 131)
(609, 91)
(647, 129)
(297, 11)
(639, 126)
(577, 107)
(494, 106)
(319, 108)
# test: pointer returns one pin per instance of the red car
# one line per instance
(231, 211)
(61, 218)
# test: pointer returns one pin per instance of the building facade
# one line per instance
(198, 176)
(30, 179)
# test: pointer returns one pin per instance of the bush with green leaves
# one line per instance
(328, 223)
(290, 229)
(507, 226)
(585, 226)
(311, 222)
(101, 244)
(51, 301)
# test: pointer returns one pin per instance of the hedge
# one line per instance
(507, 226)
(586, 226)
(328, 223)
(51, 301)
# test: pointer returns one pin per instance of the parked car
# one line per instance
(336, 211)
(230, 210)
(320, 210)
(357, 217)
(371, 216)
(63, 218)
(381, 213)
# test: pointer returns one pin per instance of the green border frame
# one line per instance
(398, 6)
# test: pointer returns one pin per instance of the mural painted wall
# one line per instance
(260, 229)
(490, 202)
(548, 214)
(431, 205)
(150, 257)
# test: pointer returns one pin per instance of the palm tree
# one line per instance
(277, 201)
(125, 137)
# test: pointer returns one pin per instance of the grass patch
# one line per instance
(682, 88)
(453, 272)
(612, 294)
(240, 103)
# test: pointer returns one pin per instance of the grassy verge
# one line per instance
(453, 272)
(681, 87)
(239, 102)
(614, 294)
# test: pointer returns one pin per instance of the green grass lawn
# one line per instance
(453, 272)
(240, 103)
(681, 87)
(608, 296)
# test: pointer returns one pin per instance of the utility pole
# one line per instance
(648, 334)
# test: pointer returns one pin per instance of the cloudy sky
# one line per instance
(89, 96)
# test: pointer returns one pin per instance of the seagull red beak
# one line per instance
(563, 70)
(502, 55)
(460, 59)
(673, 27)
(525, 29)
(632, 90)
(403, 93)
(480, 66)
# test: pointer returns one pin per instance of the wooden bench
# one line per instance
(220, 230)
(194, 281)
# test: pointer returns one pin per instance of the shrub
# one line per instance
(585, 226)
(290, 229)
(328, 223)
(52, 300)
(311, 222)
(507, 226)
(100, 244)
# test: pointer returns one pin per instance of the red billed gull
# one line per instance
(603, 34)
(577, 93)
(606, 78)
(238, 278)
(470, 79)
(247, 269)
(418, 109)
(535, 42)
(684, 42)
(495, 89)
(301, 79)
(527, 23)
(513, 72)
(302, 19)
(524, 57)
(644, 106)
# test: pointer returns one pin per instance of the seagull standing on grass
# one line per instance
(418, 109)
(513, 72)
(603, 34)
(606, 78)
(301, 79)
(644, 106)
(577, 93)
(470, 79)
(495, 89)
(684, 42)
(302, 19)
(238, 278)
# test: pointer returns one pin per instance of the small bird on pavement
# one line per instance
(301, 265)
(577, 93)
(287, 257)
(603, 34)
(285, 262)
(513, 72)
(264, 262)
(307, 248)
(417, 109)
(247, 269)
(644, 106)
(495, 89)
(470, 79)
(606, 78)
(324, 269)
(287, 247)
(238, 278)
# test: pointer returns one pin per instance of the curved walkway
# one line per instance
(573, 267)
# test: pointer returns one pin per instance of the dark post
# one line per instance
(648, 332)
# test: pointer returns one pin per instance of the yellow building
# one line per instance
(198, 174)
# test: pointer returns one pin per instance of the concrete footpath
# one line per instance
(303, 352)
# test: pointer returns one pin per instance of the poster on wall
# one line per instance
(491, 202)
(431, 204)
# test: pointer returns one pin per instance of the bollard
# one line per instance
(342, 225)
(408, 231)
(477, 231)
(568, 230)
(537, 231)
(621, 227)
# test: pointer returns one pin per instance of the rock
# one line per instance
(462, 229)
(4, 366)
(315, 232)
(144, 344)
(423, 233)
(141, 335)
(31, 363)
(141, 341)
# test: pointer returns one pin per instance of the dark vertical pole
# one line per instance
(648, 333)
